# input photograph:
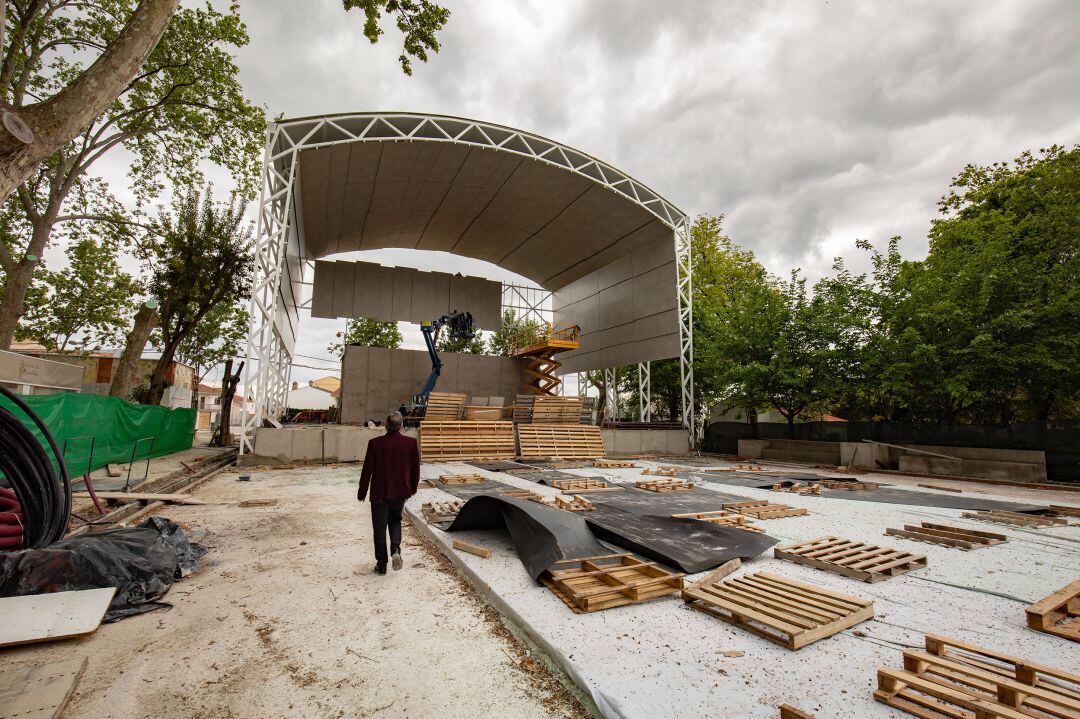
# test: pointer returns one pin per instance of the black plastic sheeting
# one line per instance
(883, 494)
(689, 544)
(541, 535)
(141, 562)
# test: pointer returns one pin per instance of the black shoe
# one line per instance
(395, 558)
(380, 569)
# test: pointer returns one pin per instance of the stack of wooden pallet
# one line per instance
(851, 559)
(956, 679)
(444, 405)
(764, 509)
(565, 441)
(790, 613)
(582, 484)
(556, 410)
(444, 440)
(664, 485)
(595, 583)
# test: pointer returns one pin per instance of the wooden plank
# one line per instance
(940, 488)
(1057, 614)
(142, 497)
(472, 549)
(45, 617)
(1060, 510)
(717, 574)
(39, 692)
(789, 712)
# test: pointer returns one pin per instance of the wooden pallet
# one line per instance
(445, 440)
(461, 478)
(797, 488)
(1000, 516)
(596, 583)
(1060, 510)
(789, 712)
(578, 485)
(664, 485)
(851, 559)
(845, 484)
(521, 494)
(612, 464)
(564, 441)
(953, 679)
(723, 518)
(763, 509)
(572, 503)
(662, 471)
(441, 511)
(556, 410)
(781, 610)
(1058, 614)
(525, 471)
(477, 412)
(948, 536)
(444, 405)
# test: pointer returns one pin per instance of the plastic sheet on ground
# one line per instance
(541, 535)
(141, 562)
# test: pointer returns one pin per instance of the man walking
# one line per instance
(392, 471)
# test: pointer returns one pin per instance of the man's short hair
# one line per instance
(394, 420)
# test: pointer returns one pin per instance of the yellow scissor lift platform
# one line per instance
(538, 346)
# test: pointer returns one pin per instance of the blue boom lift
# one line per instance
(460, 326)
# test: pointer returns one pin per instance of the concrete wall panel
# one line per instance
(322, 303)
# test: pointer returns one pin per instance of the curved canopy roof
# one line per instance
(525, 203)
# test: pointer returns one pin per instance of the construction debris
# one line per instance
(964, 680)
(596, 583)
(790, 613)
(1057, 614)
(948, 536)
(851, 559)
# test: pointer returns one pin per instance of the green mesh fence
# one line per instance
(118, 428)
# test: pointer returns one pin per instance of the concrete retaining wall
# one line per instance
(317, 443)
(376, 381)
(646, 441)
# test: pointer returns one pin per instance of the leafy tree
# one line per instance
(514, 330)
(186, 106)
(366, 333)
(200, 259)
(90, 298)
(460, 345)
(54, 35)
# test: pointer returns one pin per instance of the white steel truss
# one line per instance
(644, 380)
(533, 303)
(267, 371)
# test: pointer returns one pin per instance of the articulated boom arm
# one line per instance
(460, 326)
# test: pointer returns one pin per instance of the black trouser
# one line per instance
(386, 514)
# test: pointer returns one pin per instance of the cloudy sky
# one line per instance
(807, 124)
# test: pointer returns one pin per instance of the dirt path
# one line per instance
(285, 619)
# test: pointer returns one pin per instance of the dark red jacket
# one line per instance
(391, 467)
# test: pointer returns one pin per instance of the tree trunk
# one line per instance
(223, 437)
(157, 379)
(145, 319)
(18, 281)
(58, 120)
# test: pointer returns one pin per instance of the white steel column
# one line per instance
(685, 292)
(644, 389)
(610, 379)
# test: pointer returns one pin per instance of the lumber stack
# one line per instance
(445, 405)
(565, 441)
(446, 440)
(957, 679)
(556, 410)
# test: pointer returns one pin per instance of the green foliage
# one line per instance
(366, 333)
(418, 21)
(460, 345)
(218, 337)
(514, 331)
(200, 258)
(85, 305)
